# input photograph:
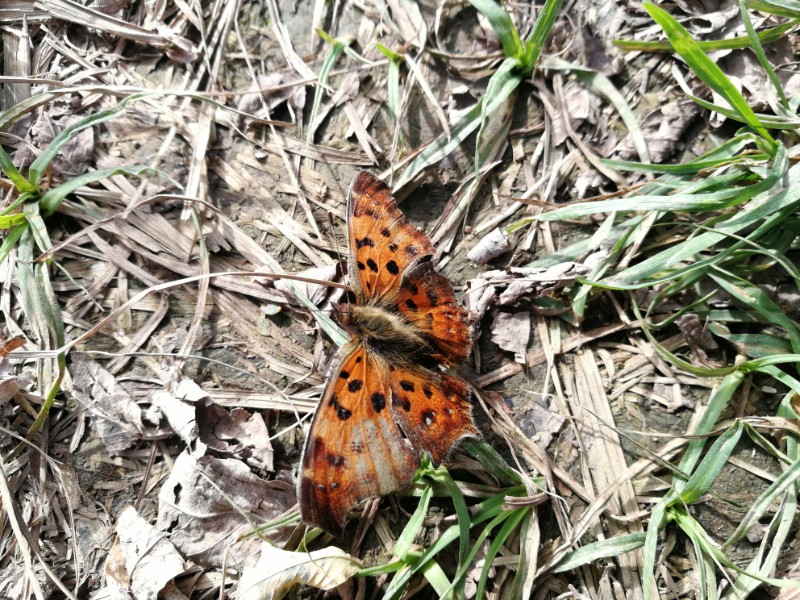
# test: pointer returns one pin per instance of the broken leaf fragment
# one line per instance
(278, 570)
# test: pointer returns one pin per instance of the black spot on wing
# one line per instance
(341, 412)
(385, 232)
(407, 385)
(355, 385)
(373, 266)
(411, 304)
(392, 267)
(401, 401)
(378, 401)
(335, 460)
(432, 297)
(366, 241)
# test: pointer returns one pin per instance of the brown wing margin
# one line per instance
(433, 409)
(427, 301)
(354, 449)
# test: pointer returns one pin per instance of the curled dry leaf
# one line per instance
(238, 433)
(180, 416)
(492, 245)
(208, 504)
(194, 416)
(517, 283)
(278, 570)
(10, 384)
(511, 331)
(115, 416)
(695, 331)
(542, 421)
(269, 90)
(142, 560)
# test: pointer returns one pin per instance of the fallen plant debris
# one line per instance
(626, 171)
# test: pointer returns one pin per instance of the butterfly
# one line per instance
(390, 395)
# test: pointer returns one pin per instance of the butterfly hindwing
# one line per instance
(354, 449)
(432, 409)
(426, 299)
(382, 242)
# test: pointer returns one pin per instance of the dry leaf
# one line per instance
(207, 504)
(194, 416)
(142, 559)
(278, 570)
(115, 416)
(542, 421)
(10, 384)
(239, 434)
(511, 331)
(179, 415)
(492, 245)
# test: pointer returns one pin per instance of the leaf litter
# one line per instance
(163, 489)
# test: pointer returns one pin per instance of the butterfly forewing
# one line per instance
(427, 301)
(432, 409)
(354, 449)
(382, 242)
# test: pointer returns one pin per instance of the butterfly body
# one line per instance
(392, 394)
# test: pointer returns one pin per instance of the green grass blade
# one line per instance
(53, 197)
(10, 171)
(758, 49)
(441, 475)
(755, 298)
(710, 467)
(780, 8)
(782, 120)
(706, 69)
(598, 551)
(11, 239)
(505, 83)
(502, 25)
(538, 37)
(439, 581)
(767, 36)
(508, 527)
(658, 520)
(393, 98)
(336, 49)
(43, 161)
(491, 461)
(786, 481)
(409, 534)
(784, 195)
(716, 404)
(696, 532)
(37, 227)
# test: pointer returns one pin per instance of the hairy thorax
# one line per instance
(387, 332)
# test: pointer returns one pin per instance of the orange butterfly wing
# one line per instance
(427, 301)
(432, 409)
(354, 449)
(382, 242)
